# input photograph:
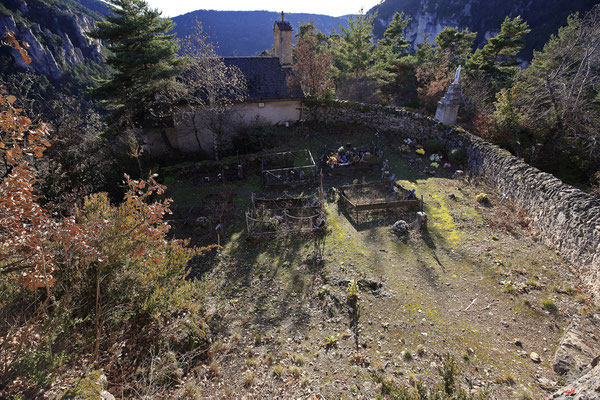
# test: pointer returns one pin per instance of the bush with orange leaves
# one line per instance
(105, 277)
(106, 273)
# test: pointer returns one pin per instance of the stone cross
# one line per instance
(457, 76)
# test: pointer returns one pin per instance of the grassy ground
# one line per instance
(473, 285)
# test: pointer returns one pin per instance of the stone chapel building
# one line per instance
(269, 101)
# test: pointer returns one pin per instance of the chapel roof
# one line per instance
(266, 78)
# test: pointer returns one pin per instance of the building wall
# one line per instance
(195, 135)
(565, 218)
(273, 112)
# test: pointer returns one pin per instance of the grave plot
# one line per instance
(285, 215)
(377, 198)
(288, 169)
(229, 169)
(206, 222)
(348, 158)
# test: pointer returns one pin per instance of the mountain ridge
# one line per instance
(252, 31)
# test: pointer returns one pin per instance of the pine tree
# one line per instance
(353, 52)
(560, 93)
(393, 37)
(393, 67)
(355, 48)
(456, 44)
(144, 60)
(499, 55)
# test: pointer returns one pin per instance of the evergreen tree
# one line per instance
(353, 53)
(394, 70)
(355, 48)
(456, 44)
(144, 60)
(309, 30)
(393, 37)
(498, 57)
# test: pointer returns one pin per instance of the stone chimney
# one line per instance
(283, 41)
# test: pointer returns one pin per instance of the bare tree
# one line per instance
(212, 87)
(562, 84)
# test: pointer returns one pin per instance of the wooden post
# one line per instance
(322, 194)
(421, 222)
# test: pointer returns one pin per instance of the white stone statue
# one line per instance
(457, 76)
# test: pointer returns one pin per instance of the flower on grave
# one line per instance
(482, 198)
(420, 152)
(434, 164)
(404, 149)
(435, 158)
(447, 165)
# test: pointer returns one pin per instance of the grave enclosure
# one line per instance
(377, 197)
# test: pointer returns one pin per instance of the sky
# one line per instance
(336, 8)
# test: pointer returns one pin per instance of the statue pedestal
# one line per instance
(447, 109)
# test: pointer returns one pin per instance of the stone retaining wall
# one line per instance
(566, 218)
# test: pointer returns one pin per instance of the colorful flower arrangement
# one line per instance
(421, 152)
(434, 164)
(435, 158)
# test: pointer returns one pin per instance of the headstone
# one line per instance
(421, 221)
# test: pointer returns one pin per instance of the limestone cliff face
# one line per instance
(481, 16)
(56, 34)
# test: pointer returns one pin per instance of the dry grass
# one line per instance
(510, 218)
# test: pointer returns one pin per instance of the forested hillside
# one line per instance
(481, 16)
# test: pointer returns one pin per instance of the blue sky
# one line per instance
(172, 8)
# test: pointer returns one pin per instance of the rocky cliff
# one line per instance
(481, 16)
(56, 32)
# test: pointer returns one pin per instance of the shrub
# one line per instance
(297, 359)
(457, 156)
(107, 268)
(433, 146)
(249, 379)
(330, 341)
(549, 305)
(353, 288)
(278, 370)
